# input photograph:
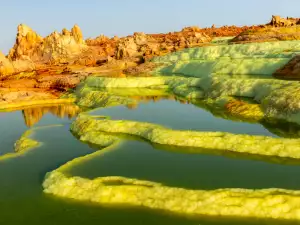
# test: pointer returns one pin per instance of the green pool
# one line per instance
(22, 200)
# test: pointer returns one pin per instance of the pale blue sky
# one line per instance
(123, 17)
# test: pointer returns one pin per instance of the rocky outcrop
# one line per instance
(279, 29)
(269, 33)
(61, 60)
(58, 82)
(146, 46)
(99, 51)
(61, 48)
(187, 37)
(102, 41)
(68, 47)
(8, 67)
(143, 69)
(131, 46)
(291, 71)
(57, 47)
(27, 44)
(277, 21)
(227, 31)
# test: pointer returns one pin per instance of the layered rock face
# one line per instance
(55, 47)
(149, 45)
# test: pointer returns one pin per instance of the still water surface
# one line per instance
(23, 202)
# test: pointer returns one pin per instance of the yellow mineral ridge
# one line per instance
(220, 141)
(265, 203)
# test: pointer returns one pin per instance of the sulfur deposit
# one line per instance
(221, 141)
(263, 204)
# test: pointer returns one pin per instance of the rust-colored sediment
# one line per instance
(35, 62)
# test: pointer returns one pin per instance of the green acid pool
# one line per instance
(22, 200)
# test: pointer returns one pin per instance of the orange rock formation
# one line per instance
(61, 60)
(145, 46)
(227, 31)
(55, 47)
(277, 21)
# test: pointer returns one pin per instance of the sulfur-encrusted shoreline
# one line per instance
(264, 204)
(89, 127)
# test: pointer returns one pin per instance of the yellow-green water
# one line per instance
(22, 200)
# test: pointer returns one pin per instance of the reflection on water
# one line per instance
(278, 128)
(34, 115)
(282, 128)
(148, 99)
(135, 159)
(180, 115)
